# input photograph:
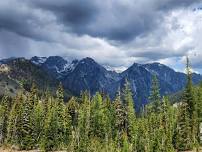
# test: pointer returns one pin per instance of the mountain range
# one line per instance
(86, 74)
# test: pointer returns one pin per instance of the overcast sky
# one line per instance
(113, 32)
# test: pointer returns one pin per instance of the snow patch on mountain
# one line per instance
(38, 60)
(115, 69)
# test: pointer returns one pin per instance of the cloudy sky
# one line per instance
(113, 32)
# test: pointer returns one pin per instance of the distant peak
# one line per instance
(88, 60)
(38, 60)
(55, 58)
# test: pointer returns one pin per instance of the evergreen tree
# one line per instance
(144, 141)
(183, 141)
(120, 119)
(199, 111)
(97, 117)
(4, 114)
(26, 126)
(66, 127)
(131, 117)
(73, 108)
(155, 97)
(14, 135)
(190, 99)
(60, 94)
(50, 137)
(59, 105)
(84, 122)
(109, 113)
(33, 95)
(38, 118)
(27, 141)
(167, 125)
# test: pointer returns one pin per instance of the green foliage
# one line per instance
(38, 123)
(130, 114)
(97, 117)
(15, 121)
(188, 124)
(98, 124)
(155, 97)
(50, 131)
(4, 114)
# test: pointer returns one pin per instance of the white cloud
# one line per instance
(166, 34)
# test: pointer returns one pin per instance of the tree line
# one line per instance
(97, 123)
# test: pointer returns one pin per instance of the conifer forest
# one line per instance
(100, 75)
(33, 121)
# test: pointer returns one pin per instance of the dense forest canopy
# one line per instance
(96, 123)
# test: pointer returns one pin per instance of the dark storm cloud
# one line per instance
(19, 20)
(72, 12)
(116, 29)
(114, 20)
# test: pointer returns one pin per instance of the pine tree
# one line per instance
(27, 141)
(33, 95)
(183, 141)
(109, 113)
(38, 118)
(155, 97)
(167, 125)
(15, 121)
(144, 141)
(130, 112)
(26, 126)
(4, 114)
(199, 111)
(97, 117)
(73, 111)
(84, 122)
(190, 99)
(66, 127)
(60, 108)
(60, 94)
(120, 119)
(73, 108)
(49, 141)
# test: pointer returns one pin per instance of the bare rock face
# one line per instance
(4, 68)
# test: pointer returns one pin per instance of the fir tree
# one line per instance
(27, 141)
(73, 108)
(4, 114)
(109, 114)
(33, 95)
(130, 112)
(155, 97)
(59, 105)
(60, 94)
(199, 111)
(66, 127)
(143, 142)
(120, 119)
(183, 141)
(190, 100)
(84, 122)
(38, 118)
(14, 135)
(50, 140)
(97, 117)
(167, 125)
